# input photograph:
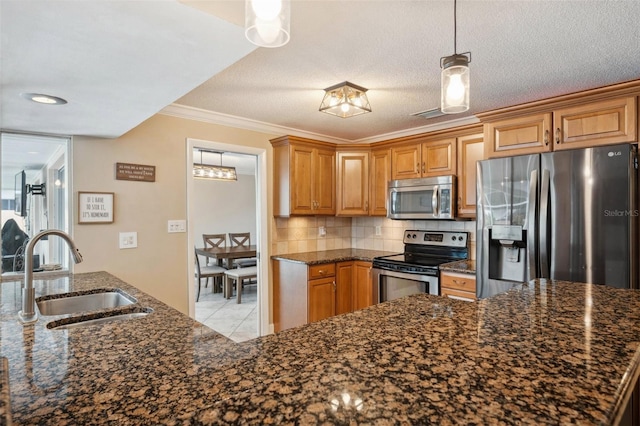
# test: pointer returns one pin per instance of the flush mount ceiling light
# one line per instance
(206, 171)
(454, 91)
(345, 100)
(267, 22)
(43, 99)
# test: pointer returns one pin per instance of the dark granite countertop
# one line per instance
(5, 400)
(329, 256)
(462, 266)
(546, 353)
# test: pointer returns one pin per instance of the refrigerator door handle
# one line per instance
(544, 225)
(530, 226)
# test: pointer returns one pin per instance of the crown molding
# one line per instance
(191, 113)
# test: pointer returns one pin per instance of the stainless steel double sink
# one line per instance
(90, 307)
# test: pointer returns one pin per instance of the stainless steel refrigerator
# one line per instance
(568, 215)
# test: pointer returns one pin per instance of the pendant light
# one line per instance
(267, 22)
(454, 91)
(212, 172)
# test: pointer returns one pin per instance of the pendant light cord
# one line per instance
(455, 28)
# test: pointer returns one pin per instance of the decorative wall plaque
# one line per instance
(95, 207)
(135, 172)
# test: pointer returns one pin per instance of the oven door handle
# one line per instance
(435, 201)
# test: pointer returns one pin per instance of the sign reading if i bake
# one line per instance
(136, 172)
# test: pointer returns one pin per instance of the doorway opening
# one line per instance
(226, 207)
(35, 196)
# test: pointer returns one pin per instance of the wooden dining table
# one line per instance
(229, 253)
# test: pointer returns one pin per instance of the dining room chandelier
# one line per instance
(267, 22)
(454, 90)
(213, 172)
(345, 100)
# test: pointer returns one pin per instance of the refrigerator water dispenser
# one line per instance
(507, 253)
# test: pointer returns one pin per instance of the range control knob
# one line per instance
(460, 238)
(453, 238)
(414, 235)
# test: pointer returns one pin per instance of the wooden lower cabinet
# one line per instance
(362, 290)
(322, 299)
(458, 286)
(304, 294)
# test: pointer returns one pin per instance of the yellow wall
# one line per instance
(159, 265)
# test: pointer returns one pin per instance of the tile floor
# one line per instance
(239, 322)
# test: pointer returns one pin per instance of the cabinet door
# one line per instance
(439, 158)
(405, 162)
(598, 123)
(301, 180)
(470, 150)
(322, 299)
(362, 285)
(380, 177)
(515, 136)
(324, 183)
(344, 287)
(353, 184)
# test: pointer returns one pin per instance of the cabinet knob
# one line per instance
(459, 282)
(546, 137)
(423, 167)
(558, 136)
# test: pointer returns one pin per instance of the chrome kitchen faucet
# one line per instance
(28, 313)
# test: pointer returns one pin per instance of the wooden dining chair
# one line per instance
(207, 272)
(215, 240)
(242, 239)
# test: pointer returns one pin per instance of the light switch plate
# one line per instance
(177, 226)
(128, 240)
(378, 230)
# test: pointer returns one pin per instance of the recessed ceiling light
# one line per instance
(43, 99)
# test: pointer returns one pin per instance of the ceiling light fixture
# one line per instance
(206, 171)
(43, 99)
(345, 100)
(454, 91)
(267, 22)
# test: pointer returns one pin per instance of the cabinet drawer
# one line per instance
(457, 294)
(322, 270)
(462, 282)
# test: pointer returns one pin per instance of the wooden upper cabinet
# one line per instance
(353, 184)
(432, 158)
(439, 157)
(520, 135)
(325, 182)
(302, 201)
(581, 124)
(598, 123)
(304, 177)
(406, 162)
(470, 151)
(380, 176)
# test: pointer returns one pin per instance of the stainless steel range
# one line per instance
(417, 269)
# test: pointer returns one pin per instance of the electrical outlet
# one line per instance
(128, 240)
(378, 230)
(177, 226)
(322, 231)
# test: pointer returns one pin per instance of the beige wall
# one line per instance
(159, 265)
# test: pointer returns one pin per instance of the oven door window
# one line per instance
(414, 201)
(394, 287)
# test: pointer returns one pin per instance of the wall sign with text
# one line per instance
(135, 172)
(95, 207)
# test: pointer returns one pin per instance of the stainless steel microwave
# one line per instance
(425, 198)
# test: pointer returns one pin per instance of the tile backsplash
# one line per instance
(302, 234)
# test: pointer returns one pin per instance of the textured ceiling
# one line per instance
(120, 62)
